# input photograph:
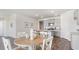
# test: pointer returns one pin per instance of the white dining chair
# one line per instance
(47, 40)
(49, 43)
(43, 45)
(22, 34)
(19, 34)
(31, 34)
(44, 34)
(7, 44)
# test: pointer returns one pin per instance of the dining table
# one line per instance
(24, 41)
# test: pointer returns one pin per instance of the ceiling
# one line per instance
(34, 13)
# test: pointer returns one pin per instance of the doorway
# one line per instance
(41, 25)
(1, 27)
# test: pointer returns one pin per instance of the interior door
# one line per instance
(1, 28)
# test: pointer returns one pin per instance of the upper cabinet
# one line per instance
(49, 23)
(76, 16)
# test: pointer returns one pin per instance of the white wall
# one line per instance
(12, 25)
(1, 27)
(20, 23)
(5, 27)
(67, 24)
(8, 30)
(3, 24)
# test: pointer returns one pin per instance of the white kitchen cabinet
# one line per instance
(75, 41)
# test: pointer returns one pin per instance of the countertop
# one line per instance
(76, 33)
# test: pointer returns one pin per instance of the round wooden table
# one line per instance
(26, 42)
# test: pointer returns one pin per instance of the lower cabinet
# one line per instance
(75, 41)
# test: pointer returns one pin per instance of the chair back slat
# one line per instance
(49, 43)
(6, 43)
